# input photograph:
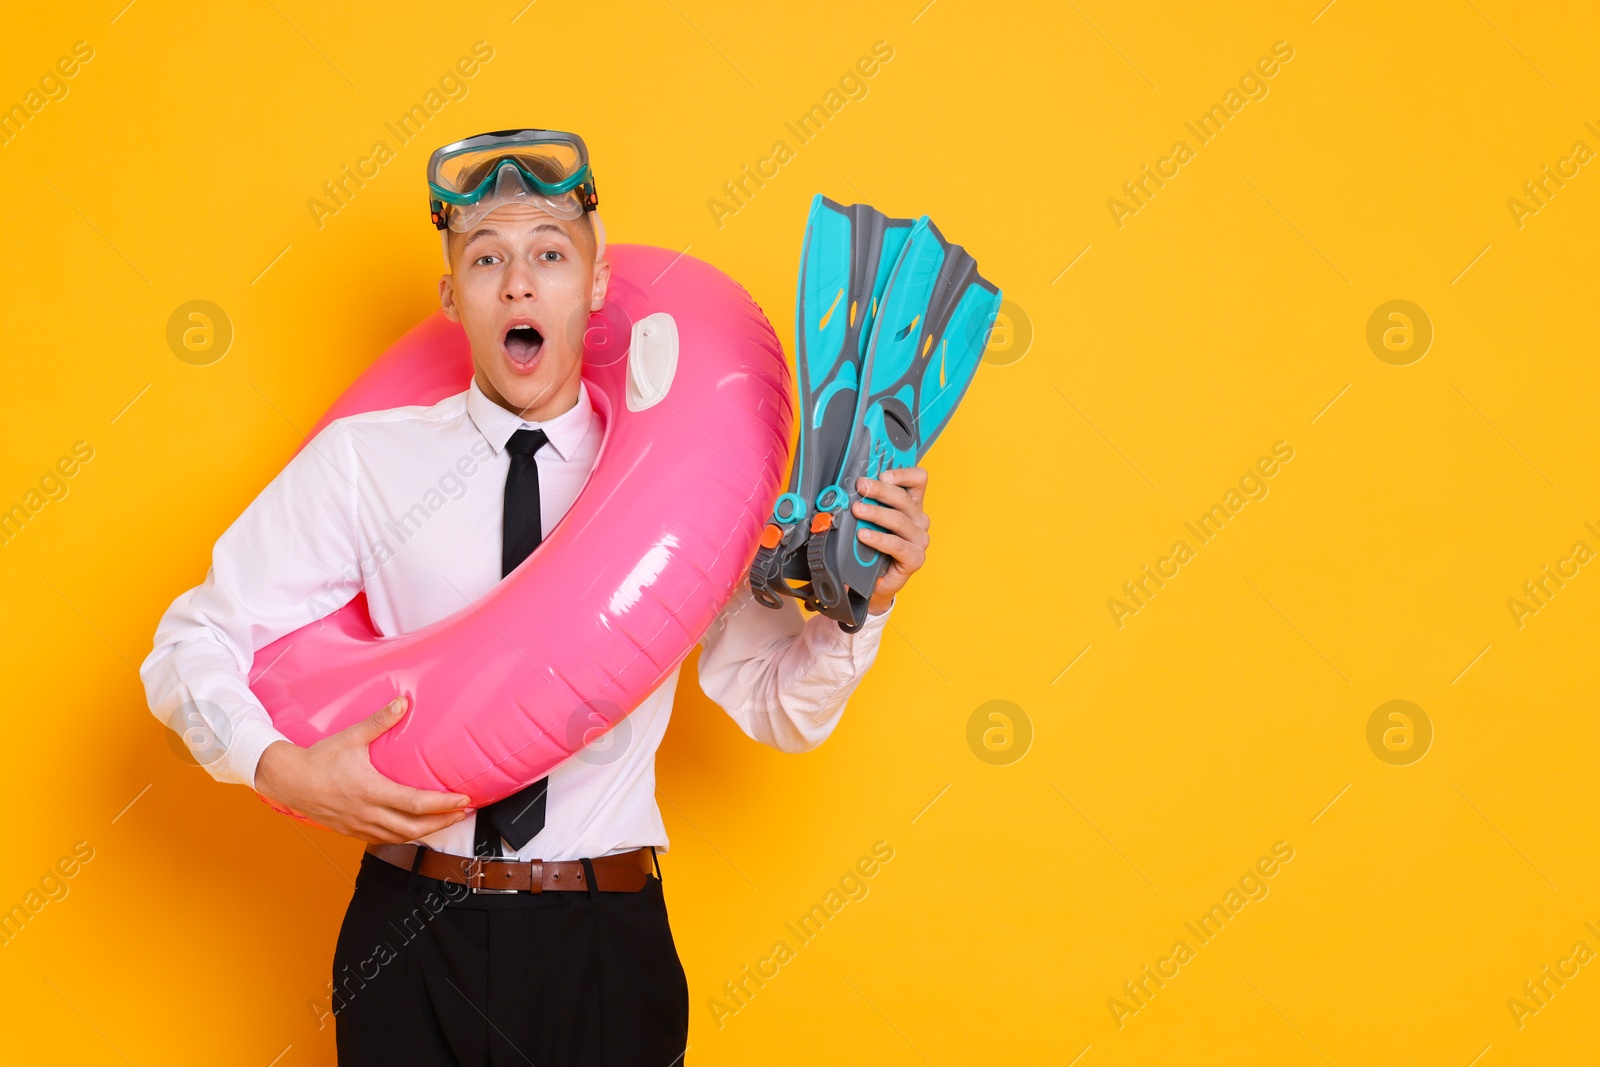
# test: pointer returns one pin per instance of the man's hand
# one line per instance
(335, 783)
(904, 537)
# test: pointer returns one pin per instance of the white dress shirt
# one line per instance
(406, 504)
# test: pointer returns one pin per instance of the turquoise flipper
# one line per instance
(845, 266)
(932, 326)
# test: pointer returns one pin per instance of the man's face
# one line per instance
(523, 286)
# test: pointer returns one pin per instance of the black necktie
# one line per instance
(519, 816)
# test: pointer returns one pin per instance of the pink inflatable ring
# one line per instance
(695, 451)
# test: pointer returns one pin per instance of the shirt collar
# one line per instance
(565, 431)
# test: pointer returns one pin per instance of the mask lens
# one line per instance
(551, 164)
(473, 177)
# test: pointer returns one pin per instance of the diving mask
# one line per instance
(546, 169)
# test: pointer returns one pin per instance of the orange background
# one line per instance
(1139, 772)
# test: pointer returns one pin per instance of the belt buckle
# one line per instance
(475, 876)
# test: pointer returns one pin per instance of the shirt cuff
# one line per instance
(244, 754)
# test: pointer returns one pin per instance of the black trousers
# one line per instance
(426, 973)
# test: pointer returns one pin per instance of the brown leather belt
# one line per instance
(625, 872)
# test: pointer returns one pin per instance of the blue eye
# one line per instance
(552, 252)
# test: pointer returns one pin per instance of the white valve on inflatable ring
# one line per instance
(652, 360)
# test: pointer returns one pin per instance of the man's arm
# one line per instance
(784, 678)
(292, 557)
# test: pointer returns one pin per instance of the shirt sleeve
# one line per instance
(292, 557)
(782, 677)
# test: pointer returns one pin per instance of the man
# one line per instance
(432, 966)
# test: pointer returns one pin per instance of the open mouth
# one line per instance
(523, 344)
